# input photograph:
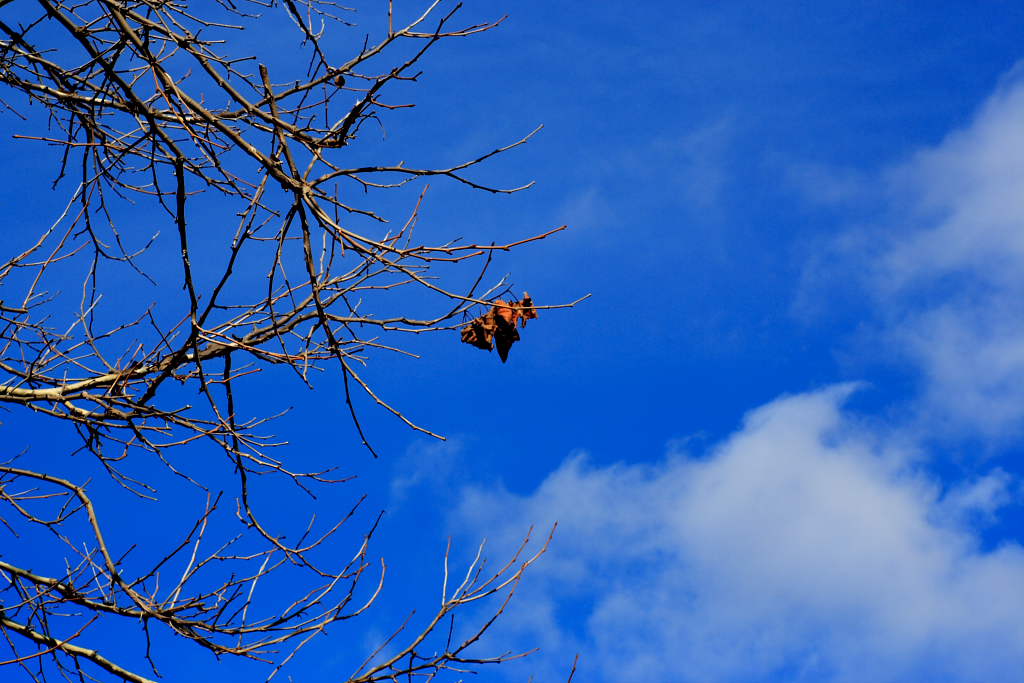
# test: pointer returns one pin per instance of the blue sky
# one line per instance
(782, 438)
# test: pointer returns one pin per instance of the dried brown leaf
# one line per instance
(497, 327)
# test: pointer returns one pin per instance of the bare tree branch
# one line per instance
(218, 183)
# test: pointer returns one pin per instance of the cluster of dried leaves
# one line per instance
(497, 327)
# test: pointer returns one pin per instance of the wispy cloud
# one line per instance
(689, 168)
(825, 185)
(943, 264)
(803, 546)
(700, 162)
(431, 464)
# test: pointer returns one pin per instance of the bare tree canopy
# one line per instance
(219, 216)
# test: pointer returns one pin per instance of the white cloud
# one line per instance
(978, 500)
(946, 268)
(967, 194)
(804, 547)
